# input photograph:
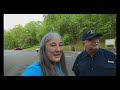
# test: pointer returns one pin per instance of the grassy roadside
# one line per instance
(32, 48)
(78, 46)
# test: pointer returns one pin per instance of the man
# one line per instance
(94, 61)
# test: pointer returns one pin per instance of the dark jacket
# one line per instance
(102, 64)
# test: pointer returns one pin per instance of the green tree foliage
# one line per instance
(8, 40)
(16, 33)
(66, 39)
(30, 30)
(69, 26)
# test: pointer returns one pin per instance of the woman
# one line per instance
(52, 59)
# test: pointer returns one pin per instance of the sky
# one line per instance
(10, 20)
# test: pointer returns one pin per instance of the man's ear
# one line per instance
(83, 43)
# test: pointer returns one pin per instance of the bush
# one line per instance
(72, 48)
(66, 39)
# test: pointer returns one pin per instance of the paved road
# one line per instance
(70, 59)
(15, 61)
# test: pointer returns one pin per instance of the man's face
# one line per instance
(92, 44)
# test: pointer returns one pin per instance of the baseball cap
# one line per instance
(90, 34)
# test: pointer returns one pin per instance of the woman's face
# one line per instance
(54, 49)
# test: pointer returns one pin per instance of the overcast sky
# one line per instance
(10, 20)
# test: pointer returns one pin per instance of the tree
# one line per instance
(8, 40)
(69, 26)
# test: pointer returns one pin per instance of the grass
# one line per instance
(78, 46)
(102, 43)
(31, 48)
(66, 48)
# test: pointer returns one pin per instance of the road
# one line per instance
(15, 61)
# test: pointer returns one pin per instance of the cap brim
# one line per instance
(95, 35)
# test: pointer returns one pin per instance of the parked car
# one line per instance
(17, 48)
(38, 48)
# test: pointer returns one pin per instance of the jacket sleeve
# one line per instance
(112, 67)
(75, 67)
